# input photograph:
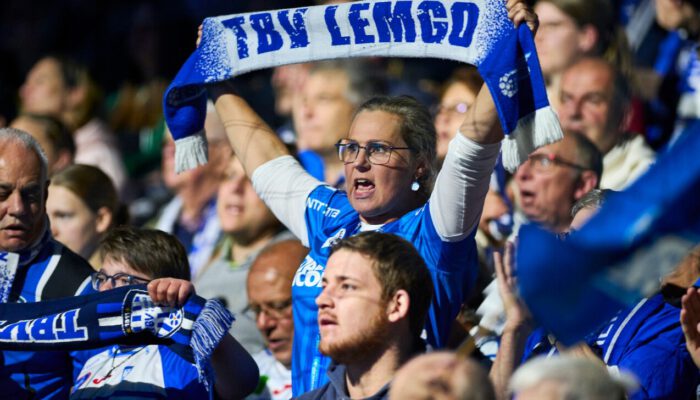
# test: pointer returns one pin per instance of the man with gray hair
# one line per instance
(324, 109)
(33, 266)
(566, 377)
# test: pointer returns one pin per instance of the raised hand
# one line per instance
(517, 314)
(519, 12)
(170, 291)
(690, 322)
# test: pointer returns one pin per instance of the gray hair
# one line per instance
(29, 143)
(364, 82)
(578, 379)
(593, 199)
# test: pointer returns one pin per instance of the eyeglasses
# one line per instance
(452, 109)
(545, 162)
(273, 309)
(377, 153)
(118, 280)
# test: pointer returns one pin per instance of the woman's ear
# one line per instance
(104, 220)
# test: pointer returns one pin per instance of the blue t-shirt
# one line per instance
(152, 371)
(329, 217)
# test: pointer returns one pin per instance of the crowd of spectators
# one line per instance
(353, 214)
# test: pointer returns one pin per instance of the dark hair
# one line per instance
(149, 251)
(416, 129)
(587, 154)
(56, 131)
(76, 75)
(94, 188)
(600, 14)
(397, 265)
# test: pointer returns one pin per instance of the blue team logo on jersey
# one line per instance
(142, 314)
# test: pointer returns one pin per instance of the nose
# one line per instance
(264, 322)
(524, 172)
(16, 208)
(362, 160)
(324, 299)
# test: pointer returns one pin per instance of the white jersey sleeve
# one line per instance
(458, 197)
(284, 185)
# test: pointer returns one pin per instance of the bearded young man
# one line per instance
(375, 298)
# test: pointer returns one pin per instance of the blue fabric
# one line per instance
(477, 32)
(137, 375)
(330, 217)
(647, 341)
(55, 272)
(88, 321)
(124, 315)
(618, 257)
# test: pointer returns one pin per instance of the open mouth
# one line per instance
(363, 188)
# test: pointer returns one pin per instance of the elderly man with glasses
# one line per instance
(555, 177)
(269, 287)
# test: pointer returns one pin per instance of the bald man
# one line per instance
(269, 288)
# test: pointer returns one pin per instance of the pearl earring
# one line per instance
(415, 186)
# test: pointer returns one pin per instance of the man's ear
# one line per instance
(398, 306)
(586, 182)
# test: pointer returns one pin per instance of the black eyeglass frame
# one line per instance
(556, 160)
(130, 279)
(368, 150)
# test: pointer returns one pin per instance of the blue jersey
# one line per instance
(329, 217)
(646, 341)
(152, 371)
(56, 272)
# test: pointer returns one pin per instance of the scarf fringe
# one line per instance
(517, 146)
(212, 324)
(191, 152)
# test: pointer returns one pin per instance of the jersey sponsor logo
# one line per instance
(61, 327)
(331, 241)
(309, 273)
(323, 208)
(142, 314)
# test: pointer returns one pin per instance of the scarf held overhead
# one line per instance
(124, 315)
(476, 32)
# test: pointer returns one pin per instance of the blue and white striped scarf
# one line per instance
(125, 315)
(476, 32)
(10, 261)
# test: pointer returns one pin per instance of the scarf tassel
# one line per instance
(211, 326)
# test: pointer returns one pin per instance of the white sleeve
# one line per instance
(284, 185)
(458, 197)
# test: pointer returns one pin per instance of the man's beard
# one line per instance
(360, 345)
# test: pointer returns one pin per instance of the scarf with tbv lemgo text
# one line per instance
(476, 32)
(125, 315)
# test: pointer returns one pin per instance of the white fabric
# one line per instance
(456, 201)
(279, 378)
(96, 145)
(626, 162)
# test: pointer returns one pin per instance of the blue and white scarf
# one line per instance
(476, 32)
(10, 261)
(124, 315)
